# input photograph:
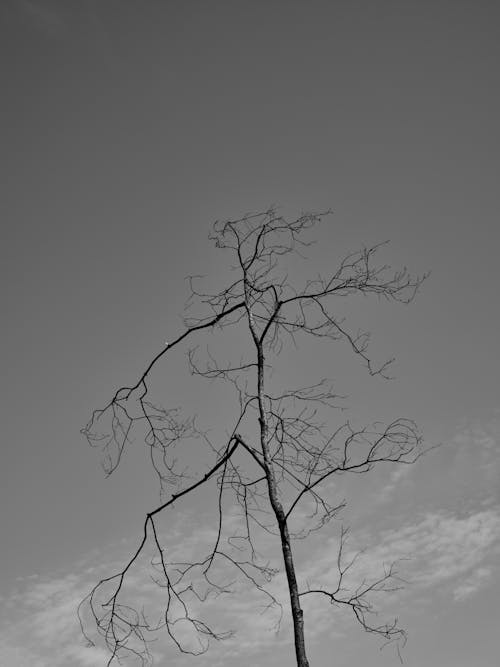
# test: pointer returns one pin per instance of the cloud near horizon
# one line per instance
(448, 552)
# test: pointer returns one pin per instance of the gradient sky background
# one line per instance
(127, 129)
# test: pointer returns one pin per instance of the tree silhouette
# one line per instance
(280, 450)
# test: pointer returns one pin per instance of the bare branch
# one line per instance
(359, 599)
(279, 452)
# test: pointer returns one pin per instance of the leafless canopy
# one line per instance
(281, 448)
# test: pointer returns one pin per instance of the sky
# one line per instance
(127, 130)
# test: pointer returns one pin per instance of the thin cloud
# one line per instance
(462, 472)
(472, 584)
(450, 552)
(446, 550)
(443, 546)
(434, 551)
(397, 476)
(48, 605)
(48, 609)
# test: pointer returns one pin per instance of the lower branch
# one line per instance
(359, 599)
(119, 624)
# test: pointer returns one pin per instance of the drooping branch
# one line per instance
(120, 625)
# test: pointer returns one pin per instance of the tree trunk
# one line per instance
(297, 613)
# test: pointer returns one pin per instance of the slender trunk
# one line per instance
(297, 614)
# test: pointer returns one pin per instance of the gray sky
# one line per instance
(127, 129)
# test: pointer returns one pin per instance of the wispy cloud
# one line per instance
(397, 476)
(47, 605)
(451, 552)
(462, 472)
(443, 546)
(439, 549)
(42, 627)
(472, 584)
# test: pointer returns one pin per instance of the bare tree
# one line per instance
(280, 449)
